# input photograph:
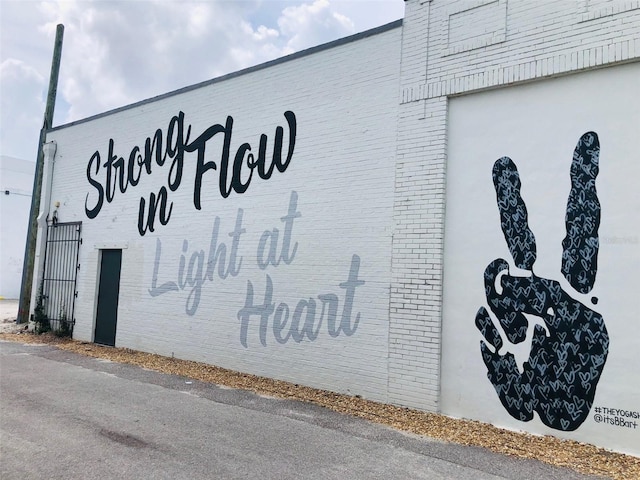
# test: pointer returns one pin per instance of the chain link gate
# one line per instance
(58, 293)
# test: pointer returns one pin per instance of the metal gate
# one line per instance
(57, 294)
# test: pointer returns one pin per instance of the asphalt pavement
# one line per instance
(67, 416)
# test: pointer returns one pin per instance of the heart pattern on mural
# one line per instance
(566, 360)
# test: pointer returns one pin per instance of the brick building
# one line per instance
(341, 217)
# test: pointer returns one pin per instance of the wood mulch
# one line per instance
(581, 457)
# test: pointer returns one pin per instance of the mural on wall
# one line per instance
(568, 354)
(284, 322)
(166, 150)
(117, 174)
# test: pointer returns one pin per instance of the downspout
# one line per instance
(49, 155)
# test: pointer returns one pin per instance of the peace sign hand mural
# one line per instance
(567, 358)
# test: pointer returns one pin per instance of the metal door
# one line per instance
(108, 292)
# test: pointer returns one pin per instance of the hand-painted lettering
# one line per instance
(235, 172)
(192, 274)
(305, 321)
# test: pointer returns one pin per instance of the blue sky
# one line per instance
(119, 52)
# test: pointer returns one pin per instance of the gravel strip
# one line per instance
(583, 458)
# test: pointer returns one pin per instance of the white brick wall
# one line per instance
(452, 48)
(16, 184)
(370, 170)
(537, 125)
(345, 102)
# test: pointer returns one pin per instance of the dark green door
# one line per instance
(108, 291)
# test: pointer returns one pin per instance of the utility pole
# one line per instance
(30, 244)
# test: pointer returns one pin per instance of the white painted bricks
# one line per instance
(342, 170)
(370, 171)
(451, 48)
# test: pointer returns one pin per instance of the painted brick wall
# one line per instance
(340, 181)
(369, 172)
(452, 48)
(584, 362)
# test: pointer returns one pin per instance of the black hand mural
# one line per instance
(566, 360)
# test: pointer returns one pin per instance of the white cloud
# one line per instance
(262, 33)
(21, 108)
(119, 52)
(307, 25)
